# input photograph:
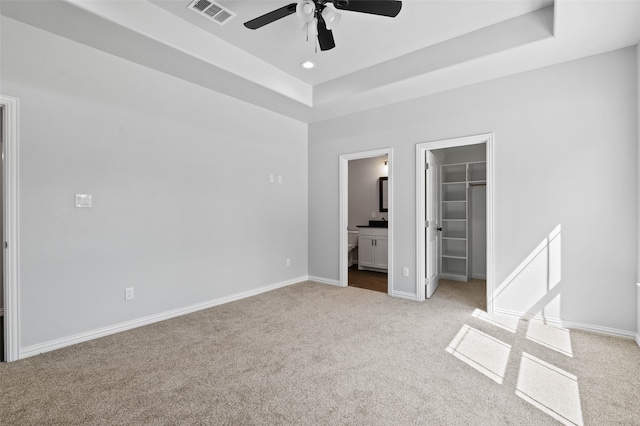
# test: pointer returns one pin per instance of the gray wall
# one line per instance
(566, 153)
(182, 205)
(364, 191)
(1, 209)
(638, 195)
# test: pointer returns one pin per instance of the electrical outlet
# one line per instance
(272, 178)
(373, 215)
(279, 179)
(83, 201)
(405, 272)
(128, 293)
(288, 262)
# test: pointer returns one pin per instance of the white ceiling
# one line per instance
(362, 40)
(431, 46)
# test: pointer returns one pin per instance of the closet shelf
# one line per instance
(452, 256)
(456, 181)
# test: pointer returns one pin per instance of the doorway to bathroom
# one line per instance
(367, 229)
(366, 220)
(454, 218)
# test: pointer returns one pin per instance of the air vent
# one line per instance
(212, 10)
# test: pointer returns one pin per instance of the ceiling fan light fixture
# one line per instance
(331, 18)
(306, 10)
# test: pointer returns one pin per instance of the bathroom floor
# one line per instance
(369, 280)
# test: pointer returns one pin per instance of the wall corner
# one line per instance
(638, 191)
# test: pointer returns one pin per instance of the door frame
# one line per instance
(10, 227)
(421, 149)
(344, 212)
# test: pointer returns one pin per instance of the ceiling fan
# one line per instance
(321, 19)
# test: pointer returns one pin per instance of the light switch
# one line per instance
(83, 201)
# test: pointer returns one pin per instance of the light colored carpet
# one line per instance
(312, 354)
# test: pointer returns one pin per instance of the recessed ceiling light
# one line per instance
(307, 65)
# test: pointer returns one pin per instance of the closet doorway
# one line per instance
(454, 211)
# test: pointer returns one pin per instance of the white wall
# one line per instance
(565, 154)
(1, 210)
(638, 127)
(182, 205)
(364, 175)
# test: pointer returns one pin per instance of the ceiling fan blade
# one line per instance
(325, 36)
(270, 17)
(389, 8)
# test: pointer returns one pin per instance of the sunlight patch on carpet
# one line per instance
(486, 354)
(550, 389)
(506, 323)
(552, 337)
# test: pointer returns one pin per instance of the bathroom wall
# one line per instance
(364, 195)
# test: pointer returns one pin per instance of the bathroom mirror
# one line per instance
(383, 182)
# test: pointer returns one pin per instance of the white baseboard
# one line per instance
(638, 338)
(404, 295)
(572, 325)
(324, 281)
(479, 276)
(51, 345)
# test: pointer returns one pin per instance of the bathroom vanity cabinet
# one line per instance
(373, 248)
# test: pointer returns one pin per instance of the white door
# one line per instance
(432, 232)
